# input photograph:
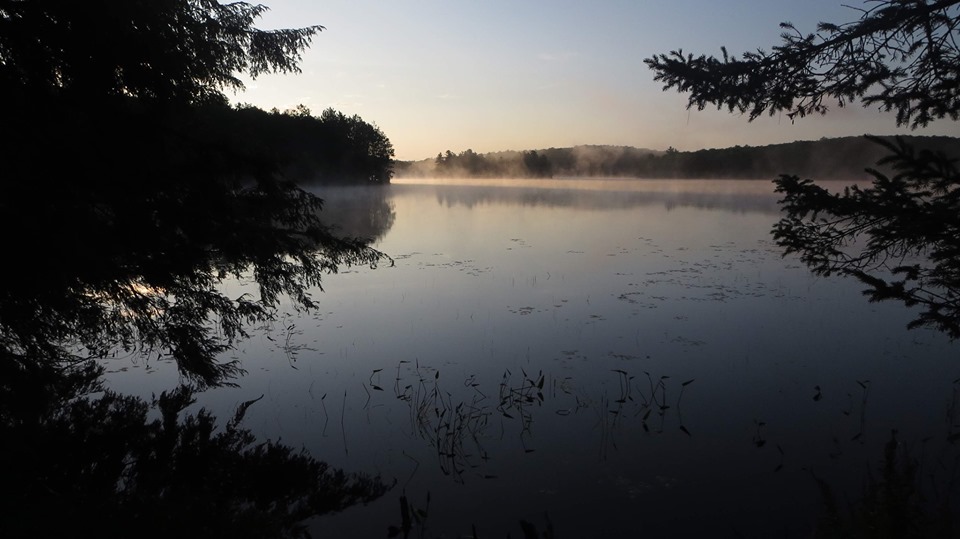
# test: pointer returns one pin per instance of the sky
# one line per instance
(496, 75)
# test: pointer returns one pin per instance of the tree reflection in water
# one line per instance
(118, 466)
(93, 280)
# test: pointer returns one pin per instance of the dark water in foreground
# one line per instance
(619, 358)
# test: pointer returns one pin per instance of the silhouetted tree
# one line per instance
(182, 50)
(901, 55)
(131, 190)
(835, 158)
(371, 151)
(330, 148)
(467, 163)
(901, 236)
(537, 165)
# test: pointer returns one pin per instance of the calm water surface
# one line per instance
(620, 358)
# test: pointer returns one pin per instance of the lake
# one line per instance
(609, 358)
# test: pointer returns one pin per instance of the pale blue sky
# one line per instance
(495, 75)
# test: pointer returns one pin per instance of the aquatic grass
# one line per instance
(657, 401)
(517, 398)
(460, 424)
(632, 402)
(893, 504)
(414, 519)
(411, 517)
(343, 428)
(862, 416)
(323, 406)
(456, 428)
(453, 429)
(758, 438)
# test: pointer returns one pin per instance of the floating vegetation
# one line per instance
(686, 341)
(708, 280)
(467, 267)
(518, 242)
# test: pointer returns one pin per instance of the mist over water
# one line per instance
(836, 159)
(616, 358)
(602, 194)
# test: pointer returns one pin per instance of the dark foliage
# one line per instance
(892, 504)
(84, 465)
(332, 148)
(126, 234)
(470, 164)
(834, 158)
(538, 165)
(167, 50)
(901, 236)
(131, 190)
(898, 236)
(902, 56)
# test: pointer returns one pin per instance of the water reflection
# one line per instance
(359, 212)
(735, 196)
(82, 462)
(141, 274)
(651, 368)
(461, 423)
(612, 359)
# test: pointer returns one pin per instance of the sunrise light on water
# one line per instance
(355, 269)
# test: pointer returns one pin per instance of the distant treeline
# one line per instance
(838, 158)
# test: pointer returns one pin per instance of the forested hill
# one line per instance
(837, 158)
